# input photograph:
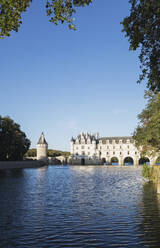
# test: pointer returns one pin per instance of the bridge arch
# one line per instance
(103, 160)
(114, 161)
(128, 161)
(82, 161)
(144, 160)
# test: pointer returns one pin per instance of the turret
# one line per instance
(42, 149)
(72, 145)
(72, 140)
(97, 135)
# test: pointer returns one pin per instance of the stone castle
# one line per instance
(90, 149)
(42, 153)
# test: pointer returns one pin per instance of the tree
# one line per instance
(13, 142)
(57, 10)
(31, 153)
(56, 153)
(147, 134)
(51, 153)
(142, 27)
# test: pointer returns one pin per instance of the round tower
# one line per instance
(42, 149)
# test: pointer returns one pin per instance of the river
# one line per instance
(78, 206)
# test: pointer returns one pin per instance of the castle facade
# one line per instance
(90, 149)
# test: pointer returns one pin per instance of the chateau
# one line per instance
(90, 149)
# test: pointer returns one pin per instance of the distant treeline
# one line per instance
(51, 153)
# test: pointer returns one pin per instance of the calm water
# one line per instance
(78, 207)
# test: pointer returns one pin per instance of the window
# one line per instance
(120, 153)
(107, 153)
(128, 153)
(128, 147)
(120, 147)
(88, 148)
(88, 153)
(113, 153)
(83, 153)
(77, 148)
(113, 147)
(135, 153)
(82, 147)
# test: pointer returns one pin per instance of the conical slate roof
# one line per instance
(42, 140)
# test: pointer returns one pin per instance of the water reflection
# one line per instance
(78, 207)
(150, 212)
(11, 173)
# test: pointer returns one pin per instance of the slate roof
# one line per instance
(42, 140)
(116, 138)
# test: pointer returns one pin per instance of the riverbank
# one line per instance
(20, 164)
(151, 173)
(155, 173)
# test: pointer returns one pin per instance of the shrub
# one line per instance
(147, 172)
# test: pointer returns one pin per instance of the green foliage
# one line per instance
(147, 134)
(31, 153)
(142, 27)
(147, 172)
(51, 153)
(13, 142)
(56, 153)
(11, 15)
(157, 160)
(114, 160)
(59, 11)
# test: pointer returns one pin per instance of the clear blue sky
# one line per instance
(63, 82)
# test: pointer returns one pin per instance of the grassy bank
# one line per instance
(151, 172)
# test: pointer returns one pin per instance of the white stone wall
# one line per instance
(118, 149)
(42, 152)
(83, 149)
(90, 147)
(77, 160)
